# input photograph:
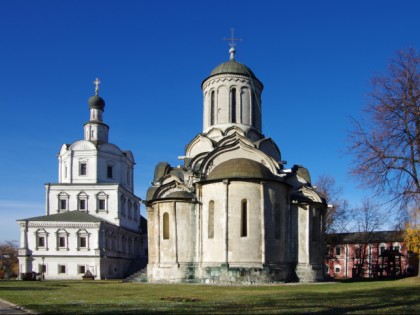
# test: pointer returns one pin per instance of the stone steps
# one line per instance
(139, 276)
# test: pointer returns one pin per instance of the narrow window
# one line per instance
(109, 170)
(41, 241)
(338, 251)
(277, 221)
(82, 204)
(83, 242)
(211, 220)
(83, 169)
(233, 104)
(382, 249)
(101, 205)
(62, 241)
(244, 218)
(63, 204)
(212, 108)
(166, 226)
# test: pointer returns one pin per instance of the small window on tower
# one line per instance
(109, 170)
(82, 204)
(83, 169)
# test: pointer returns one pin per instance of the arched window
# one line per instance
(211, 220)
(166, 226)
(277, 221)
(212, 105)
(233, 104)
(255, 110)
(244, 218)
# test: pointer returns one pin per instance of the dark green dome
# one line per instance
(96, 102)
(233, 67)
(240, 168)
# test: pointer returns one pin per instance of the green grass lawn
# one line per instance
(113, 297)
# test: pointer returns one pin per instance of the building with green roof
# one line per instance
(92, 220)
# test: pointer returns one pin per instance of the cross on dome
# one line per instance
(96, 82)
(232, 43)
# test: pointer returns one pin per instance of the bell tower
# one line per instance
(95, 129)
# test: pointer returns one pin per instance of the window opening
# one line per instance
(233, 105)
(212, 108)
(166, 226)
(244, 218)
(109, 170)
(211, 220)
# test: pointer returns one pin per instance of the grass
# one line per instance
(113, 297)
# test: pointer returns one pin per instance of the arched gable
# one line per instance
(269, 147)
(171, 188)
(198, 145)
(234, 147)
(82, 145)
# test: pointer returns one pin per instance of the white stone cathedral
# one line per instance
(233, 213)
(92, 218)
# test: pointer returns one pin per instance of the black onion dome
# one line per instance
(96, 102)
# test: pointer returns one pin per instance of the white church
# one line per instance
(92, 218)
(232, 213)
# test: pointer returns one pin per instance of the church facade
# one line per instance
(92, 220)
(232, 213)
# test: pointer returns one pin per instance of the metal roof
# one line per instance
(68, 216)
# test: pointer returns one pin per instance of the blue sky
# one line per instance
(315, 58)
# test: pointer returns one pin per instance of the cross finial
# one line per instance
(232, 43)
(232, 38)
(96, 82)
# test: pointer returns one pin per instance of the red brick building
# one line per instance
(368, 254)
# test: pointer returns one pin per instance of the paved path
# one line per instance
(12, 309)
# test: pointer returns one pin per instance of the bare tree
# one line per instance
(368, 218)
(337, 217)
(386, 145)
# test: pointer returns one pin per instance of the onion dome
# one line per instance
(95, 101)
